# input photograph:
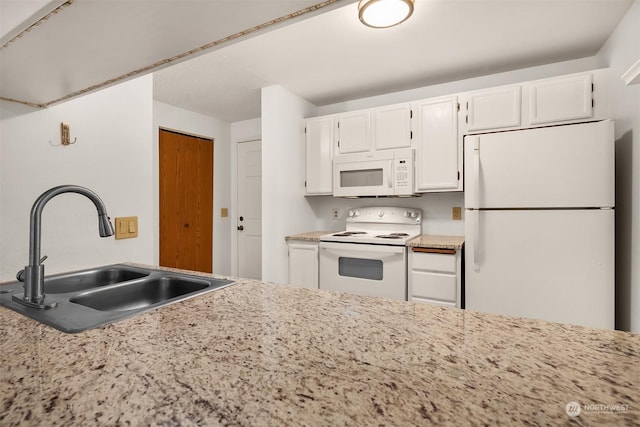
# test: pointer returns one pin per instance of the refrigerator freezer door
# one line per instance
(555, 265)
(568, 166)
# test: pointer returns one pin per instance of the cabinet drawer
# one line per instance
(433, 262)
(436, 286)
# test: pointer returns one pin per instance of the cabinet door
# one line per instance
(319, 142)
(494, 108)
(393, 127)
(437, 145)
(354, 130)
(303, 265)
(560, 99)
(434, 279)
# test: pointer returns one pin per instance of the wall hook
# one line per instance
(65, 135)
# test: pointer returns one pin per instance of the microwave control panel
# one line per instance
(403, 175)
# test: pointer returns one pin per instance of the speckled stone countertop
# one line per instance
(437, 242)
(313, 236)
(262, 354)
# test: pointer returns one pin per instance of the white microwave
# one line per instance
(378, 173)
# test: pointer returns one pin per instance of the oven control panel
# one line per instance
(385, 214)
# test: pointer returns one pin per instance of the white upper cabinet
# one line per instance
(354, 132)
(438, 148)
(494, 108)
(392, 127)
(557, 100)
(560, 99)
(320, 138)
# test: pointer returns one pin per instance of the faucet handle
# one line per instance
(20, 275)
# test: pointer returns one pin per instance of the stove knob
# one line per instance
(357, 213)
(414, 214)
(406, 214)
(381, 214)
(351, 213)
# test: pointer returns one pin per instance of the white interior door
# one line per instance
(249, 219)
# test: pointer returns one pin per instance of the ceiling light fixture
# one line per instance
(384, 13)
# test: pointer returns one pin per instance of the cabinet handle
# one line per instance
(434, 251)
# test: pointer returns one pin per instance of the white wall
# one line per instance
(284, 210)
(169, 117)
(243, 131)
(620, 52)
(112, 156)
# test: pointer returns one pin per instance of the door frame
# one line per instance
(156, 189)
(234, 201)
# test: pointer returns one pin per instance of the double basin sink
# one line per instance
(95, 297)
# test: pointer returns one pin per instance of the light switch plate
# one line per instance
(224, 212)
(126, 227)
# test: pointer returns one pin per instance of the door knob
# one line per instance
(241, 218)
(241, 227)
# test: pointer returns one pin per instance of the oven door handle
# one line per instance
(361, 250)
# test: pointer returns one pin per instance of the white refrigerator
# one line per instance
(539, 225)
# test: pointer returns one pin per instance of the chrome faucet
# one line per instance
(33, 274)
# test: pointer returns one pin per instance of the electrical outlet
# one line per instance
(456, 214)
(335, 213)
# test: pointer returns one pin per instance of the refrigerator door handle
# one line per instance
(476, 239)
(476, 172)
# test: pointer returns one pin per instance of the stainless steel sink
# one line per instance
(140, 294)
(95, 297)
(89, 279)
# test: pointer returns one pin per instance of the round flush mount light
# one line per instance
(384, 13)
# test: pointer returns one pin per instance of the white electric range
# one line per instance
(370, 256)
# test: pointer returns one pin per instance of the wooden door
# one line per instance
(186, 201)
(250, 209)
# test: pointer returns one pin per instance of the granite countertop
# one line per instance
(437, 242)
(313, 236)
(276, 355)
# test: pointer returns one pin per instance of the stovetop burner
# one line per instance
(388, 236)
(349, 233)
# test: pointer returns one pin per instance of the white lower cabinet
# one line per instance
(303, 264)
(435, 277)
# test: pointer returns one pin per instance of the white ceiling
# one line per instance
(331, 57)
(88, 44)
(325, 55)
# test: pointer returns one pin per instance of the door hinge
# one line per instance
(593, 103)
(458, 175)
(305, 184)
(458, 106)
(592, 87)
(411, 135)
(466, 119)
(305, 130)
(411, 114)
(338, 125)
(338, 143)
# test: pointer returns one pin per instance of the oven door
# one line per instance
(371, 270)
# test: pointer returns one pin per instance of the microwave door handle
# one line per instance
(390, 175)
